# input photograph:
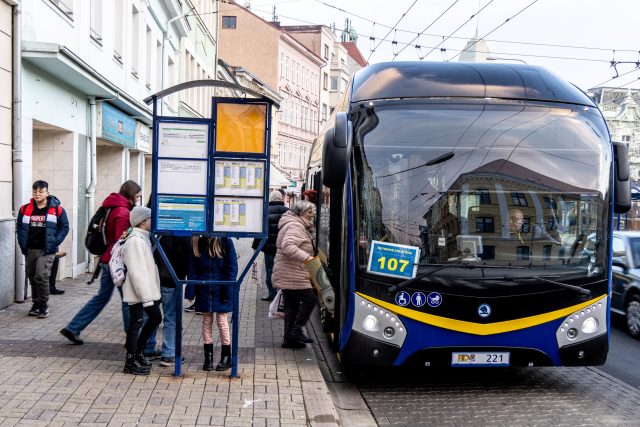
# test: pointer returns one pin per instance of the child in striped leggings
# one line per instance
(213, 259)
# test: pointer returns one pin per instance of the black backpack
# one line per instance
(96, 239)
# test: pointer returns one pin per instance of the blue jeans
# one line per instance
(168, 324)
(269, 260)
(94, 306)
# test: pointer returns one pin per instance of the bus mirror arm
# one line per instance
(622, 190)
(337, 151)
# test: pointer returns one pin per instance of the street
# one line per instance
(590, 396)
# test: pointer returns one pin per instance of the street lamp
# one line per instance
(495, 58)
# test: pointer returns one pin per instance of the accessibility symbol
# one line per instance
(418, 299)
(403, 299)
(434, 299)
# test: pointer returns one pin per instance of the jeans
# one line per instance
(94, 306)
(269, 260)
(168, 324)
(138, 334)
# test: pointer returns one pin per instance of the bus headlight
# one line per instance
(590, 325)
(378, 322)
(584, 324)
(370, 323)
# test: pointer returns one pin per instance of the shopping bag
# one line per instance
(276, 308)
(320, 280)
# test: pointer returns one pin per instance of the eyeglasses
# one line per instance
(40, 191)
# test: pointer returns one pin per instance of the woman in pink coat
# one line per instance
(295, 246)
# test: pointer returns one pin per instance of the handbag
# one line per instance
(276, 308)
(319, 275)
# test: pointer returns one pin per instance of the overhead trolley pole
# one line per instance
(210, 179)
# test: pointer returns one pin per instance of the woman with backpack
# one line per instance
(141, 290)
(116, 207)
(213, 259)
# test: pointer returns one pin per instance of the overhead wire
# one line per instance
(426, 28)
(496, 28)
(391, 29)
(456, 30)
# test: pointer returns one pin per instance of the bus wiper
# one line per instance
(578, 289)
(442, 267)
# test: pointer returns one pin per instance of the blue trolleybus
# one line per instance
(466, 212)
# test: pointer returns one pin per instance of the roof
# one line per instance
(354, 52)
(426, 79)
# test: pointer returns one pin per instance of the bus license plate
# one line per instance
(480, 359)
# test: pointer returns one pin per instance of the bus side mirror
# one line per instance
(337, 152)
(622, 202)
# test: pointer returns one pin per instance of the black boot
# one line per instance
(142, 360)
(225, 358)
(132, 366)
(208, 357)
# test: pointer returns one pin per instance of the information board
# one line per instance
(185, 140)
(238, 214)
(240, 127)
(239, 178)
(182, 213)
(391, 259)
(187, 177)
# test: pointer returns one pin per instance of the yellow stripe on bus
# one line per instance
(480, 328)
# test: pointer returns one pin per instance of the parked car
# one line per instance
(625, 295)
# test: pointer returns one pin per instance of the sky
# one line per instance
(590, 30)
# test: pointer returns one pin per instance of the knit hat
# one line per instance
(139, 214)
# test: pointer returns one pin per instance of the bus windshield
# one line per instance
(502, 185)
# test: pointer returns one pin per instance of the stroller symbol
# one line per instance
(434, 299)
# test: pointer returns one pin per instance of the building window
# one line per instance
(326, 51)
(135, 41)
(325, 81)
(484, 224)
(65, 6)
(118, 30)
(343, 86)
(334, 83)
(518, 199)
(546, 252)
(229, 22)
(488, 252)
(522, 253)
(331, 110)
(484, 198)
(149, 55)
(96, 20)
(626, 138)
(550, 203)
(526, 224)
(324, 112)
(552, 223)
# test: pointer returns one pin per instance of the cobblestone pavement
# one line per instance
(45, 380)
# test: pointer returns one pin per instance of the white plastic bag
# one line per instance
(276, 308)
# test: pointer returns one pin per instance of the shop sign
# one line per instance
(143, 137)
(116, 126)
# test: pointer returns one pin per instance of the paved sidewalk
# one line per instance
(45, 380)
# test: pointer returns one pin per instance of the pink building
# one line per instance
(275, 57)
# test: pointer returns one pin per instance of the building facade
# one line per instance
(84, 126)
(268, 52)
(7, 220)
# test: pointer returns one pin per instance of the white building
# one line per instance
(7, 220)
(86, 68)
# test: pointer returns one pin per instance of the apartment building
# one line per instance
(280, 61)
(84, 76)
(7, 220)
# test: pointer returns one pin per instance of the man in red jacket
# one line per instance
(119, 205)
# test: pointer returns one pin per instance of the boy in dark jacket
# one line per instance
(42, 226)
(276, 210)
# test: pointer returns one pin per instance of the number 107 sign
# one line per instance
(391, 259)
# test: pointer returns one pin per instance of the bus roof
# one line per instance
(390, 80)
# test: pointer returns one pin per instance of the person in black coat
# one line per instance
(276, 210)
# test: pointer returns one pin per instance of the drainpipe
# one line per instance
(17, 143)
(91, 190)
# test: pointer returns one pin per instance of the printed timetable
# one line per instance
(239, 178)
